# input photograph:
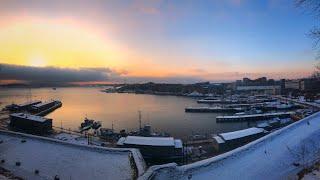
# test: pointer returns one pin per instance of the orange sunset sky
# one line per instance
(159, 40)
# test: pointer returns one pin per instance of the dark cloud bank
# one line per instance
(53, 76)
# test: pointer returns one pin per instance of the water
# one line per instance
(163, 113)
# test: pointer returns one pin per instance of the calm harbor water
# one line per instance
(163, 113)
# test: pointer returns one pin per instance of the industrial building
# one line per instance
(154, 147)
(30, 123)
(226, 141)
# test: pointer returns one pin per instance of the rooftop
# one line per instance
(148, 141)
(241, 133)
(30, 117)
(69, 161)
(218, 139)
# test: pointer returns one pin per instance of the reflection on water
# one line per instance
(163, 113)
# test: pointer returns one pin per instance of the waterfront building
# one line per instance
(30, 123)
(268, 89)
(154, 147)
(227, 141)
(292, 84)
(310, 85)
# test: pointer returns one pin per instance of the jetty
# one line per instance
(212, 109)
(44, 108)
(217, 101)
(22, 106)
(253, 117)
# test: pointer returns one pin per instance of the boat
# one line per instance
(85, 128)
(87, 122)
(96, 125)
(251, 111)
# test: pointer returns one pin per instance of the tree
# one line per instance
(313, 6)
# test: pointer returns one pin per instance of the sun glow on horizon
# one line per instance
(60, 44)
(37, 62)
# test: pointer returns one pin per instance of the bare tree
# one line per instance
(313, 6)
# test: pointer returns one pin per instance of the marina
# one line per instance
(159, 146)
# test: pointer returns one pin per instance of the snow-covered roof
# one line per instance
(30, 117)
(149, 141)
(263, 125)
(218, 139)
(121, 141)
(278, 155)
(177, 143)
(241, 133)
(195, 93)
(69, 161)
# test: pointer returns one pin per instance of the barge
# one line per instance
(253, 117)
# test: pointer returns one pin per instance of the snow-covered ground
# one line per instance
(279, 155)
(69, 161)
(314, 175)
(71, 138)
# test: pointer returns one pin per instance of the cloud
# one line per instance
(63, 76)
(54, 75)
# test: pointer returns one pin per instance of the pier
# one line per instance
(45, 108)
(217, 101)
(212, 109)
(253, 117)
(306, 104)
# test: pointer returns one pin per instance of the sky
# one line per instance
(155, 40)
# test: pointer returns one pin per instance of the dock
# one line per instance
(253, 117)
(21, 107)
(212, 109)
(306, 104)
(216, 101)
